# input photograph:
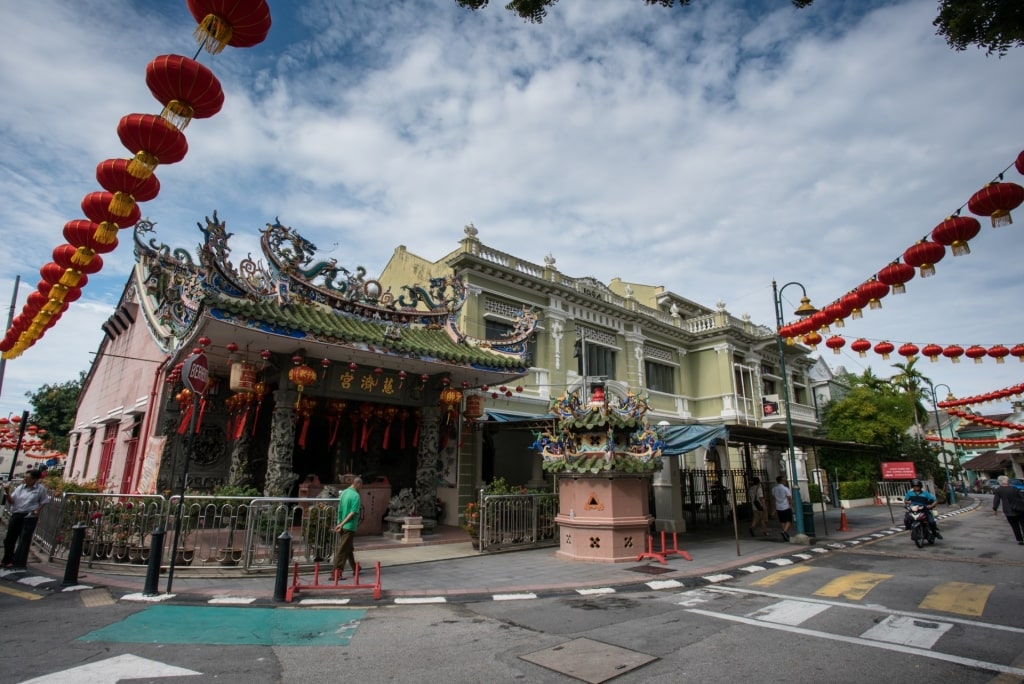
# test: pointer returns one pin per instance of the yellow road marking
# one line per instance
(962, 598)
(853, 586)
(20, 594)
(776, 577)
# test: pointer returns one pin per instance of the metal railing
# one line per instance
(513, 521)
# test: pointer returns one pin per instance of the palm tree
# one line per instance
(870, 381)
(911, 382)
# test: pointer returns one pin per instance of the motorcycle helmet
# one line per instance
(916, 483)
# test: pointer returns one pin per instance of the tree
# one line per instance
(996, 25)
(910, 381)
(54, 408)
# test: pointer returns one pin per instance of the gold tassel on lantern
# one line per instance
(71, 278)
(82, 256)
(121, 205)
(178, 113)
(213, 33)
(106, 232)
(143, 164)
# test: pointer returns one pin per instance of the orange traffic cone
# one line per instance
(843, 527)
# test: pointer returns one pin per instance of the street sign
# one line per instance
(898, 470)
(196, 373)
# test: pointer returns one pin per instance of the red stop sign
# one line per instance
(196, 373)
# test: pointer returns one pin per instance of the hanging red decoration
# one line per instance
(836, 344)
(231, 347)
(1019, 164)
(999, 353)
(855, 301)
(976, 352)
(819, 321)
(96, 206)
(953, 352)
(908, 351)
(861, 346)
(837, 311)
(153, 141)
(113, 176)
(302, 375)
(884, 349)
(187, 89)
(895, 275)
(954, 233)
(924, 255)
(811, 339)
(997, 200)
(1018, 349)
(874, 290)
(82, 233)
(932, 351)
(238, 23)
(74, 258)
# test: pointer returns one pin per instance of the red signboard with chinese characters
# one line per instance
(898, 470)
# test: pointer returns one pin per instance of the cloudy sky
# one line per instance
(708, 149)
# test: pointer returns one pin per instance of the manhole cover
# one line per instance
(589, 660)
(651, 569)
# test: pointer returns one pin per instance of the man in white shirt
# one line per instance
(25, 502)
(783, 504)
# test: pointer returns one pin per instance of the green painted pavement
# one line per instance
(233, 627)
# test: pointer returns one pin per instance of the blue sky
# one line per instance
(708, 149)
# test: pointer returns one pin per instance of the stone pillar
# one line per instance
(280, 476)
(426, 462)
(238, 474)
(668, 497)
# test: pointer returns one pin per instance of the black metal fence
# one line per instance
(708, 495)
(513, 521)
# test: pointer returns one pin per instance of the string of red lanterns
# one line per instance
(187, 90)
(995, 200)
(910, 351)
(997, 395)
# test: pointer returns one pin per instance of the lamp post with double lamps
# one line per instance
(805, 309)
(942, 444)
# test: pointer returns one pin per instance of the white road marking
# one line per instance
(898, 648)
(899, 629)
(591, 592)
(113, 670)
(232, 600)
(513, 597)
(325, 602)
(788, 612)
(753, 568)
(35, 580)
(421, 599)
(780, 561)
(150, 599)
(664, 584)
(718, 578)
(694, 597)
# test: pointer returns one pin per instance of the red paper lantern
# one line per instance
(924, 255)
(153, 141)
(1019, 164)
(884, 348)
(819, 321)
(997, 200)
(999, 353)
(835, 343)
(953, 352)
(855, 300)
(186, 89)
(96, 206)
(874, 290)
(954, 233)
(82, 233)
(1018, 349)
(908, 351)
(70, 258)
(835, 313)
(932, 351)
(811, 339)
(861, 346)
(113, 176)
(238, 23)
(976, 352)
(895, 275)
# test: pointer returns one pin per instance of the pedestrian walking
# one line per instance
(25, 503)
(348, 521)
(1013, 506)
(755, 495)
(783, 504)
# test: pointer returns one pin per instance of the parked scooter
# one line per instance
(916, 520)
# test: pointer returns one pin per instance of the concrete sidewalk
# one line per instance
(454, 571)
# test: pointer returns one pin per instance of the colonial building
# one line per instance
(432, 376)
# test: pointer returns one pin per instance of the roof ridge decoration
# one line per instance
(171, 288)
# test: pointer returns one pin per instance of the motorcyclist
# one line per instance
(918, 495)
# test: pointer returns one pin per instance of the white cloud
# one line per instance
(707, 149)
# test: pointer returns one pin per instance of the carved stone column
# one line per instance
(426, 462)
(239, 474)
(280, 476)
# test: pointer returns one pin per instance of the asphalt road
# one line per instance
(879, 611)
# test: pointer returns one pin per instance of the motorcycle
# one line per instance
(916, 520)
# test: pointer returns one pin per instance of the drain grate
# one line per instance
(588, 660)
(651, 569)
(94, 598)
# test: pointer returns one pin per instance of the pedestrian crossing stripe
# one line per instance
(853, 586)
(958, 597)
(781, 575)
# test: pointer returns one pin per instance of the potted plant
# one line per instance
(471, 522)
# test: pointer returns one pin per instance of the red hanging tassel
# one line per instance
(202, 410)
(303, 431)
(185, 417)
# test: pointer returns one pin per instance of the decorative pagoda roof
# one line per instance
(290, 295)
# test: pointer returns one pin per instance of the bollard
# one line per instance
(74, 555)
(156, 547)
(284, 554)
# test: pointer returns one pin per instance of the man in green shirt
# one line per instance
(348, 521)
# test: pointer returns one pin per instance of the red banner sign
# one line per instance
(898, 470)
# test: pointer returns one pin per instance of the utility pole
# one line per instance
(10, 319)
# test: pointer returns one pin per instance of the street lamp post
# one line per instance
(805, 309)
(942, 444)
